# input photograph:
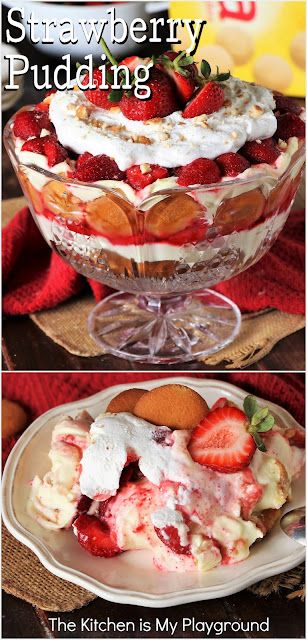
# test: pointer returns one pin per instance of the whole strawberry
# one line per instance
(28, 124)
(262, 151)
(290, 125)
(99, 97)
(210, 96)
(231, 164)
(200, 171)
(161, 103)
(98, 168)
(284, 104)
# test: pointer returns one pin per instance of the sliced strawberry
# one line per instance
(99, 168)
(83, 158)
(99, 97)
(140, 179)
(220, 404)
(207, 99)
(289, 125)
(170, 537)
(262, 151)
(95, 536)
(251, 492)
(103, 506)
(44, 120)
(200, 171)
(134, 61)
(161, 102)
(286, 104)
(36, 145)
(54, 151)
(231, 164)
(28, 124)
(84, 504)
(221, 441)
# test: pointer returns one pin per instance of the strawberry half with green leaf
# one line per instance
(210, 96)
(226, 439)
(182, 70)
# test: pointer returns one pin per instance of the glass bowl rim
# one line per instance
(163, 192)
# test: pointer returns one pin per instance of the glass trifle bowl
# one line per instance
(162, 253)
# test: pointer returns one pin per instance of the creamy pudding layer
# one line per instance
(53, 500)
(250, 241)
(246, 115)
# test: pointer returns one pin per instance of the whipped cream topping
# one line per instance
(113, 438)
(246, 115)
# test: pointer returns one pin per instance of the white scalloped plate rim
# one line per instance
(125, 596)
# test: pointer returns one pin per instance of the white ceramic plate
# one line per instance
(131, 577)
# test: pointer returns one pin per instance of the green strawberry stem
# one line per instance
(107, 51)
(259, 420)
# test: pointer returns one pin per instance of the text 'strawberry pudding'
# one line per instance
(196, 493)
(165, 195)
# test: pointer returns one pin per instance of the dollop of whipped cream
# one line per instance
(113, 438)
(247, 114)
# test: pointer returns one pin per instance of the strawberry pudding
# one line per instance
(146, 210)
(195, 497)
(164, 195)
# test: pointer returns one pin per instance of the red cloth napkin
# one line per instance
(38, 392)
(36, 278)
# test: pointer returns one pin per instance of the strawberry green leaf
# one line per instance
(259, 416)
(259, 442)
(266, 424)
(115, 95)
(205, 68)
(250, 406)
(222, 77)
(186, 61)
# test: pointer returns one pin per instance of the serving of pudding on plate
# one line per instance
(162, 196)
(160, 470)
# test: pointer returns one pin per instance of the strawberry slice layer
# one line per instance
(221, 441)
(95, 536)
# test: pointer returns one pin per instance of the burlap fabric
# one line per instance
(46, 591)
(66, 325)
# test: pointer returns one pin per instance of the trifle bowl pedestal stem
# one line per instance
(164, 330)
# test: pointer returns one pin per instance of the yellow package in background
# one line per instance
(261, 41)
